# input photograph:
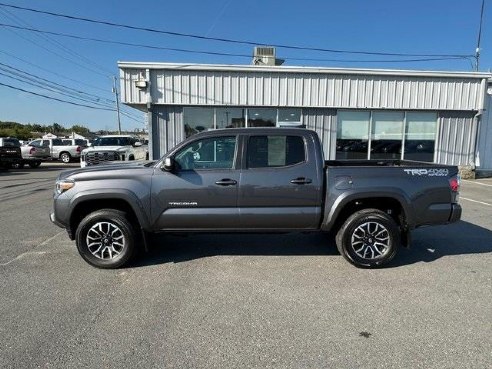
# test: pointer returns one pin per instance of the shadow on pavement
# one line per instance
(432, 243)
(429, 244)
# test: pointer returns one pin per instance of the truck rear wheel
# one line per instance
(368, 238)
(34, 164)
(106, 239)
(65, 157)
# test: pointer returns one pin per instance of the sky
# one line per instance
(86, 68)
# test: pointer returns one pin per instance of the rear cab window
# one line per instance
(275, 151)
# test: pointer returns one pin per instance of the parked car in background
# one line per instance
(10, 154)
(114, 148)
(32, 156)
(58, 150)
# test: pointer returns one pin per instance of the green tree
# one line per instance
(81, 130)
(57, 128)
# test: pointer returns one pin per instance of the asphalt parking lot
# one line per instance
(247, 301)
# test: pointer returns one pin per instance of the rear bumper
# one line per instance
(455, 213)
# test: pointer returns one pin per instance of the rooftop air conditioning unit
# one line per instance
(264, 55)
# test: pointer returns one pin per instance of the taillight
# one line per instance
(78, 149)
(454, 184)
(32, 151)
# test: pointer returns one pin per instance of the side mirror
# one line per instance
(168, 164)
(137, 144)
(89, 144)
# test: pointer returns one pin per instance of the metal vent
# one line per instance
(264, 55)
(265, 51)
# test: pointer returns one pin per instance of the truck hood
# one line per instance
(109, 168)
(105, 148)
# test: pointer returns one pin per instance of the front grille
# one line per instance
(95, 158)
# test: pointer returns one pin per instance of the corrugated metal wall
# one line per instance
(456, 138)
(166, 129)
(350, 91)
(324, 122)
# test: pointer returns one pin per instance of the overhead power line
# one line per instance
(53, 73)
(224, 54)
(227, 40)
(71, 53)
(53, 98)
(60, 86)
(51, 51)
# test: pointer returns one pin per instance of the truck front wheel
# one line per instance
(368, 238)
(106, 239)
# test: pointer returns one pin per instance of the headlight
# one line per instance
(63, 185)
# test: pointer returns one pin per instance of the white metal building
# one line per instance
(440, 117)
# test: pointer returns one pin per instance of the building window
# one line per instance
(386, 135)
(230, 117)
(420, 136)
(289, 117)
(275, 151)
(393, 135)
(352, 135)
(262, 117)
(198, 120)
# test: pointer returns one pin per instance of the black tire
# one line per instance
(369, 238)
(104, 222)
(35, 164)
(18, 165)
(65, 157)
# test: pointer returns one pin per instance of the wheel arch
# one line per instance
(85, 203)
(394, 204)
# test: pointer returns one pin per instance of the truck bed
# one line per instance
(379, 163)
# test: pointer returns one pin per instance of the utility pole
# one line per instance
(477, 50)
(115, 91)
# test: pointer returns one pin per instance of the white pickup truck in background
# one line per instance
(114, 148)
(58, 150)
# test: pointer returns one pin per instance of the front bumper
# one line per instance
(54, 221)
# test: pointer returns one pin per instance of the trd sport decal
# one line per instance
(427, 172)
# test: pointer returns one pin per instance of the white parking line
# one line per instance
(33, 252)
(479, 202)
(477, 183)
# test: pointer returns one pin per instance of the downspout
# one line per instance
(477, 120)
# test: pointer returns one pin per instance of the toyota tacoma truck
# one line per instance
(253, 180)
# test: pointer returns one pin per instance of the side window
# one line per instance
(36, 143)
(209, 153)
(46, 143)
(275, 151)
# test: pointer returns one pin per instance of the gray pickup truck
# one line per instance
(253, 180)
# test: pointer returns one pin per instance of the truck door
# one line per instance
(279, 187)
(201, 191)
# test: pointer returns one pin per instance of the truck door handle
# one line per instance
(226, 182)
(301, 180)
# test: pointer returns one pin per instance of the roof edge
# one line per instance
(299, 69)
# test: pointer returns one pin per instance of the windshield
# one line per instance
(113, 141)
(11, 142)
